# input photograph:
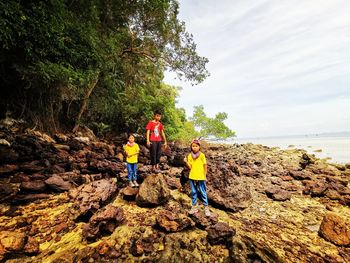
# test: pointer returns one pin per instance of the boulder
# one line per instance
(220, 233)
(335, 229)
(56, 183)
(173, 222)
(153, 191)
(88, 198)
(103, 222)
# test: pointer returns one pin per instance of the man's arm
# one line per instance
(147, 138)
(164, 138)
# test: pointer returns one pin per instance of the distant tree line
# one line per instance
(99, 63)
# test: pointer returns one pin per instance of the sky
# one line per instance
(278, 67)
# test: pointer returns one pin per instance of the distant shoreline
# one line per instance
(325, 134)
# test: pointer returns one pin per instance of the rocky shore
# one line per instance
(65, 198)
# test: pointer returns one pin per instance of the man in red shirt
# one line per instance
(154, 135)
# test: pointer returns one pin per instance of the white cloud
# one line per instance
(271, 61)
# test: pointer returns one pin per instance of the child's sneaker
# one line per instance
(193, 210)
(207, 211)
(132, 184)
(136, 184)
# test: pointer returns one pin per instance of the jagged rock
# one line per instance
(11, 242)
(7, 191)
(153, 191)
(173, 222)
(129, 193)
(315, 188)
(62, 147)
(278, 194)
(30, 197)
(143, 245)
(60, 138)
(173, 183)
(82, 139)
(32, 167)
(335, 229)
(88, 198)
(202, 221)
(8, 169)
(220, 233)
(103, 222)
(228, 193)
(107, 250)
(56, 183)
(32, 246)
(33, 186)
(301, 175)
(7, 154)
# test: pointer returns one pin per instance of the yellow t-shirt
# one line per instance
(132, 150)
(197, 167)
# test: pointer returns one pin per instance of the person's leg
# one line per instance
(202, 188)
(203, 195)
(153, 152)
(194, 208)
(158, 153)
(130, 172)
(134, 177)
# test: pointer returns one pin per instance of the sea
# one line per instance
(334, 147)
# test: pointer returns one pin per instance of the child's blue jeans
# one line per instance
(199, 189)
(132, 168)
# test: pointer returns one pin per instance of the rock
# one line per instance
(202, 221)
(231, 195)
(315, 188)
(173, 183)
(4, 142)
(8, 169)
(301, 175)
(11, 242)
(103, 222)
(32, 246)
(278, 194)
(30, 197)
(88, 198)
(82, 139)
(7, 154)
(153, 191)
(173, 222)
(33, 186)
(335, 229)
(7, 191)
(144, 244)
(220, 233)
(56, 183)
(62, 147)
(32, 167)
(129, 193)
(60, 138)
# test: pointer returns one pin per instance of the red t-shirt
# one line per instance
(155, 129)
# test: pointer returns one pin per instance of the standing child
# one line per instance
(197, 163)
(154, 135)
(132, 150)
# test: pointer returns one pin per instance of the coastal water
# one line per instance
(334, 147)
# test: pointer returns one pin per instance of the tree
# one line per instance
(211, 127)
(61, 66)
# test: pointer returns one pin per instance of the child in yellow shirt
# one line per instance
(197, 163)
(132, 150)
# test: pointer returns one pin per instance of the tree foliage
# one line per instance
(211, 127)
(98, 62)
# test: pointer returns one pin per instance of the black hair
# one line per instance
(131, 134)
(157, 112)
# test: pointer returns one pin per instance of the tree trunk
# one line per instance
(85, 101)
